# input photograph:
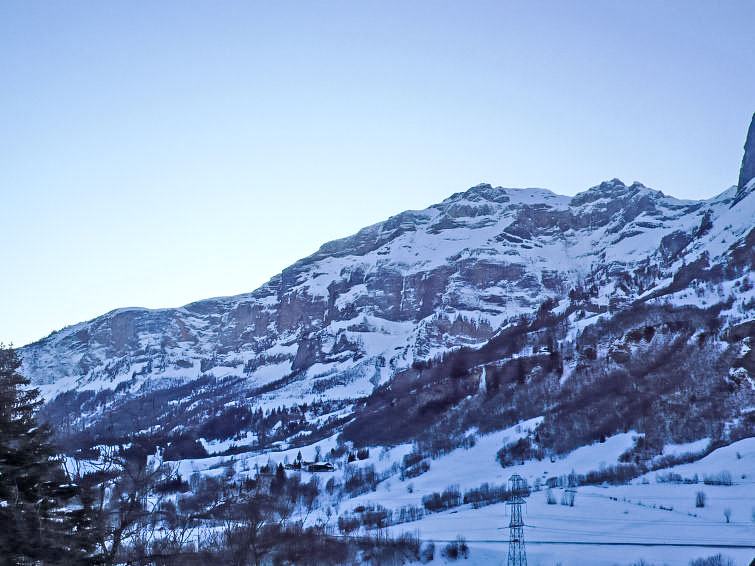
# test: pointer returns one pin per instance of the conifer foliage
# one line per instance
(35, 527)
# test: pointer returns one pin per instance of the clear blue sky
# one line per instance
(156, 153)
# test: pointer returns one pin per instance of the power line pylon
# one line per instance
(517, 550)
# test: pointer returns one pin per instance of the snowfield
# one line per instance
(618, 522)
(648, 519)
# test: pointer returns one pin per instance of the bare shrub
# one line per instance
(700, 498)
(451, 497)
(567, 497)
(486, 494)
(721, 478)
(427, 552)
(715, 560)
(347, 524)
(457, 549)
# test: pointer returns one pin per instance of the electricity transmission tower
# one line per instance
(517, 550)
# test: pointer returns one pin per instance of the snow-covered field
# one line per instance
(612, 524)
(648, 519)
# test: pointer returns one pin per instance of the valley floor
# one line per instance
(649, 519)
(645, 520)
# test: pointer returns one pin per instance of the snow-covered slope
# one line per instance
(655, 516)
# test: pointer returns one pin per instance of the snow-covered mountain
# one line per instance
(419, 290)
(598, 346)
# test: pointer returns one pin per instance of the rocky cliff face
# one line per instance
(747, 172)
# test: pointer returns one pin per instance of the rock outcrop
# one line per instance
(747, 172)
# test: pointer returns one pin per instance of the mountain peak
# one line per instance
(747, 171)
(612, 183)
(617, 187)
(611, 190)
(481, 191)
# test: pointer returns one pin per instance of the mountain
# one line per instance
(490, 307)
(599, 346)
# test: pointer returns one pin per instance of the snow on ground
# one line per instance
(631, 516)
(219, 446)
(495, 554)
(470, 468)
(648, 519)
(695, 447)
(246, 462)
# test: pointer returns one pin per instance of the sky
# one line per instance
(157, 153)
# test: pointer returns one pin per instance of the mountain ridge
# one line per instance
(471, 190)
(633, 200)
(347, 318)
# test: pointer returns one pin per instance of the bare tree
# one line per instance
(120, 496)
(254, 520)
(700, 499)
(550, 497)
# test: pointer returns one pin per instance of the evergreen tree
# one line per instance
(279, 481)
(35, 527)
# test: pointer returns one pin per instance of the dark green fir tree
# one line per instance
(38, 522)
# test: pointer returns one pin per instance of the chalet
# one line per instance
(320, 467)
